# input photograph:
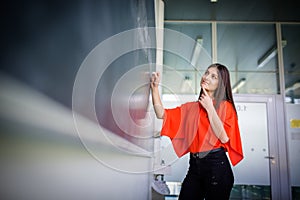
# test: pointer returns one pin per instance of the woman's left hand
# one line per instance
(206, 100)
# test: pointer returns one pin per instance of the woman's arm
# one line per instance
(215, 122)
(157, 104)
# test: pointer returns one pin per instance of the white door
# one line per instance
(258, 173)
(254, 169)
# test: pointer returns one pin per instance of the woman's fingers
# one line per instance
(155, 78)
(204, 91)
(156, 75)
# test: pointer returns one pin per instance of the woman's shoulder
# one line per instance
(194, 105)
(184, 107)
(190, 103)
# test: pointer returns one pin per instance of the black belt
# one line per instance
(204, 153)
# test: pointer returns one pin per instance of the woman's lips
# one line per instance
(204, 83)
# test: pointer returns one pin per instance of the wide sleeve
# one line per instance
(171, 122)
(230, 122)
(180, 125)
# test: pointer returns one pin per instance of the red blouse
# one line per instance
(189, 129)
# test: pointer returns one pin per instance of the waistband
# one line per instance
(204, 153)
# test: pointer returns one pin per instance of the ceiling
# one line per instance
(233, 10)
(246, 31)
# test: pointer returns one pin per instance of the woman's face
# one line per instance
(210, 79)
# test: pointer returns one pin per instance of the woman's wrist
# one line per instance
(154, 89)
(210, 110)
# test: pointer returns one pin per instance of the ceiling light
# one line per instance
(294, 87)
(197, 51)
(269, 55)
(238, 85)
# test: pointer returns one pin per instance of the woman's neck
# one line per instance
(211, 94)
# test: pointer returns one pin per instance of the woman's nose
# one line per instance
(206, 77)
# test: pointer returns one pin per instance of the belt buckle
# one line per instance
(195, 155)
(198, 155)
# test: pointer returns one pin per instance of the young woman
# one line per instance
(207, 129)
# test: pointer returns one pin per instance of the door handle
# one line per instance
(272, 158)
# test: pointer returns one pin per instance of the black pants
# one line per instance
(208, 178)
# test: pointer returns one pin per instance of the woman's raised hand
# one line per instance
(154, 81)
(157, 104)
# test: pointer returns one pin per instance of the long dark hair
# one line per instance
(223, 91)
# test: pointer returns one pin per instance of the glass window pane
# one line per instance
(291, 59)
(250, 53)
(181, 72)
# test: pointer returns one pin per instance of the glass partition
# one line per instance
(182, 71)
(250, 52)
(291, 59)
(290, 33)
